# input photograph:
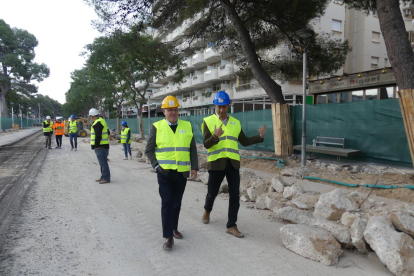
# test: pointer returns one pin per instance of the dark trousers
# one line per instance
(48, 139)
(214, 181)
(58, 140)
(73, 136)
(171, 189)
(102, 154)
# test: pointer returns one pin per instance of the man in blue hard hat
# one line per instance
(221, 135)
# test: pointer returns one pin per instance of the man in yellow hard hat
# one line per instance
(221, 135)
(171, 148)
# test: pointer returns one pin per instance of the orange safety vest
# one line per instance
(59, 128)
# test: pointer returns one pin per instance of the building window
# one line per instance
(386, 93)
(336, 25)
(357, 95)
(333, 98)
(344, 97)
(371, 94)
(321, 99)
(374, 62)
(375, 37)
(385, 62)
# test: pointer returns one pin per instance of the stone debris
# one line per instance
(306, 201)
(395, 249)
(332, 205)
(293, 191)
(311, 242)
(278, 184)
(340, 232)
(403, 220)
(270, 201)
(348, 218)
(357, 234)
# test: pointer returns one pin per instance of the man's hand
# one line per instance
(218, 131)
(262, 131)
(193, 174)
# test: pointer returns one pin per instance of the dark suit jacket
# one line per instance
(150, 151)
(220, 164)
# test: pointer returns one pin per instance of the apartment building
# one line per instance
(209, 70)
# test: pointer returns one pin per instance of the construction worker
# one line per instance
(221, 134)
(59, 127)
(171, 148)
(48, 132)
(126, 139)
(73, 131)
(100, 144)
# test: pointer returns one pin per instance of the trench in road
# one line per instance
(19, 165)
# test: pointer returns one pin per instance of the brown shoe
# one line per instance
(168, 243)
(206, 217)
(98, 180)
(235, 232)
(103, 182)
(177, 234)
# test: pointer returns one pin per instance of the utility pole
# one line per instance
(21, 117)
(39, 114)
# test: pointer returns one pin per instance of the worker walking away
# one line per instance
(100, 144)
(59, 127)
(73, 132)
(171, 148)
(126, 139)
(48, 132)
(221, 134)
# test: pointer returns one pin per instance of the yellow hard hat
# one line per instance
(169, 102)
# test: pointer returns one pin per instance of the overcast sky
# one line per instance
(62, 28)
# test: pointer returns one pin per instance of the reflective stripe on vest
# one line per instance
(228, 145)
(173, 149)
(124, 136)
(73, 127)
(104, 138)
(49, 128)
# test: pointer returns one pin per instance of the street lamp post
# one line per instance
(306, 36)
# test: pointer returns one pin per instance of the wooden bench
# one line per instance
(331, 149)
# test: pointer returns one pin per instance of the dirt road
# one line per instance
(70, 225)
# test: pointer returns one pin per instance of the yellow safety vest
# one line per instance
(124, 135)
(228, 145)
(104, 139)
(173, 149)
(73, 127)
(49, 128)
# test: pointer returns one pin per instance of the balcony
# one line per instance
(187, 84)
(211, 75)
(226, 71)
(198, 60)
(176, 87)
(188, 65)
(211, 55)
(170, 73)
(198, 80)
(170, 88)
(248, 90)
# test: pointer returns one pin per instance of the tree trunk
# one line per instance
(5, 109)
(401, 57)
(273, 90)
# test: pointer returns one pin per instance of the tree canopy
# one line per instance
(245, 26)
(17, 69)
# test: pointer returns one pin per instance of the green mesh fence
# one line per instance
(6, 123)
(374, 127)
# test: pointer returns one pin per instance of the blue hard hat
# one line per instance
(72, 116)
(124, 123)
(221, 98)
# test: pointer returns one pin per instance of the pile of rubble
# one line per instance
(328, 223)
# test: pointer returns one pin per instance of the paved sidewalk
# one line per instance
(10, 137)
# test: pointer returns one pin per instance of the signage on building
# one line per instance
(352, 83)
